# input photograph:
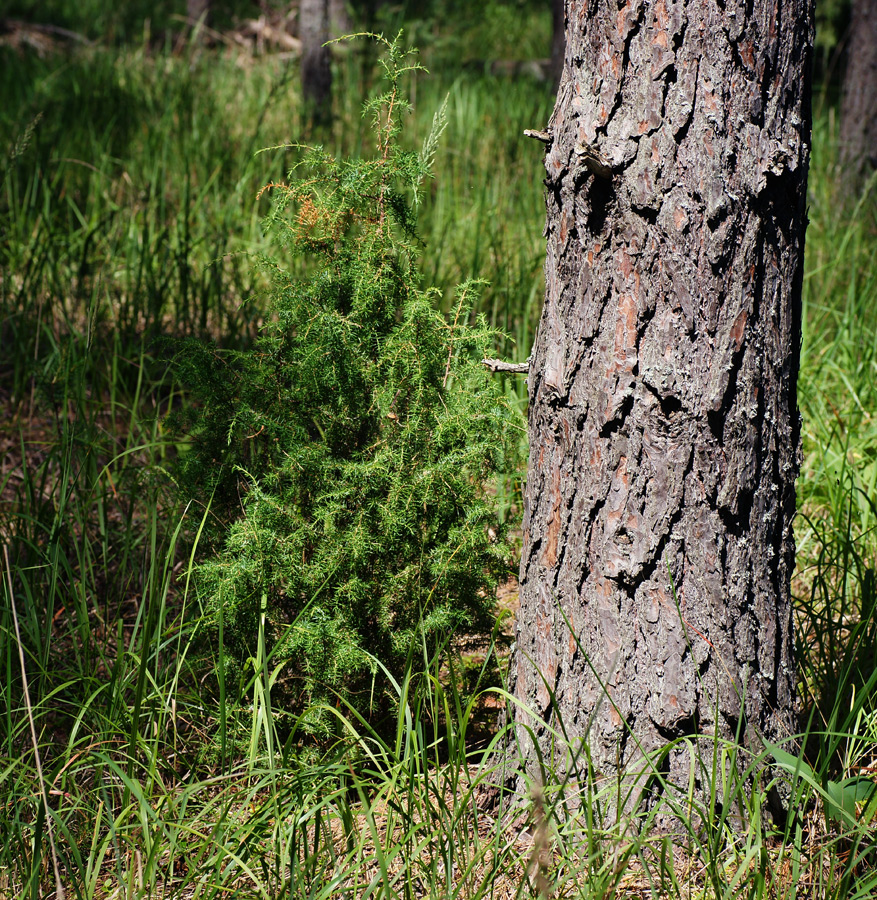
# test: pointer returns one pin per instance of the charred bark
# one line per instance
(858, 114)
(664, 428)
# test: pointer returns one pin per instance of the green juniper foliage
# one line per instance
(349, 450)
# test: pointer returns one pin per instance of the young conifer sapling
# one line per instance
(349, 452)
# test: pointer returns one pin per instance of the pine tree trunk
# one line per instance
(858, 115)
(316, 71)
(664, 428)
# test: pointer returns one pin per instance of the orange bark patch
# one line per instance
(625, 326)
(572, 644)
(708, 145)
(615, 65)
(738, 328)
(621, 21)
(595, 251)
(660, 9)
(549, 557)
(596, 457)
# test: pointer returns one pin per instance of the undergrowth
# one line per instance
(359, 434)
(157, 782)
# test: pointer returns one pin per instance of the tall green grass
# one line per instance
(128, 211)
(836, 532)
(130, 183)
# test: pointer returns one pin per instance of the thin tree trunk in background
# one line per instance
(196, 10)
(558, 39)
(663, 420)
(339, 20)
(198, 16)
(858, 117)
(316, 71)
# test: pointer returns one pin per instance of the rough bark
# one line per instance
(663, 419)
(316, 71)
(858, 118)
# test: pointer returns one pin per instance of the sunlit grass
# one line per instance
(128, 210)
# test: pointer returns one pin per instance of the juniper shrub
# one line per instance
(349, 452)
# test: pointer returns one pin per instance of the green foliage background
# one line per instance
(129, 209)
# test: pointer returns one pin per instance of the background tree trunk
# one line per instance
(664, 428)
(558, 39)
(858, 115)
(196, 9)
(198, 16)
(339, 20)
(316, 71)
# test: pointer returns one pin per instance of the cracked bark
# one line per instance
(663, 419)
